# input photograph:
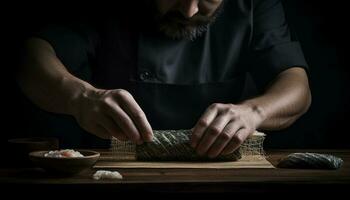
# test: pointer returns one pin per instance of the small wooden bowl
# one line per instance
(65, 166)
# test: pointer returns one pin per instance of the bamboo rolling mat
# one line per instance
(108, 160)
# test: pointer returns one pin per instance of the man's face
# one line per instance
(186, 19)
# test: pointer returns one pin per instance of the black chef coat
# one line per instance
(174, 81)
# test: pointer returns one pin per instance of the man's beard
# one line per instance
(174, 25)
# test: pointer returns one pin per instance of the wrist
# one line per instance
(78, 91)
(257, 112)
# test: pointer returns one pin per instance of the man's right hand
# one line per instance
(107, 113)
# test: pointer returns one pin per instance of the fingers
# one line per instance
(112, 128)
(224, 138)
(212, 133)
(221, 130)
(130, 106)
(202, 125)
(114, 113)
(125, 123)
(236, 141)
(101, 132)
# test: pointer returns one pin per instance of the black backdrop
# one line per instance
(322, 30)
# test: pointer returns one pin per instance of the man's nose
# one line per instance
(189, 8)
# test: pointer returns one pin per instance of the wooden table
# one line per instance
(189, 180)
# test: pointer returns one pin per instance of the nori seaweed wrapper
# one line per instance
(174, 145)
(310, 161)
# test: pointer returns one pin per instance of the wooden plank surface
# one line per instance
(194, 179)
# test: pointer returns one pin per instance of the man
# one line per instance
(180, 64)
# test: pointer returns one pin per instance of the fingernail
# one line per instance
(150, 138)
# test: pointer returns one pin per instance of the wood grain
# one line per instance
(252, 162)
(194, 180)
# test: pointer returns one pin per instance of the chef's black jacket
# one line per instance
(174, 81)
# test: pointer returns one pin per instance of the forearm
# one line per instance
(104, 113)
(284, 101)
(45, 81)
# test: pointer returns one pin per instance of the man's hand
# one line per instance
(223, 128)
(104, 113)
(107, 113)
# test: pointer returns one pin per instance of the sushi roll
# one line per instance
(310, 161)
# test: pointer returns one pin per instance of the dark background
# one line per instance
(322, 30)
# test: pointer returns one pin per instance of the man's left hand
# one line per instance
(223, 128)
